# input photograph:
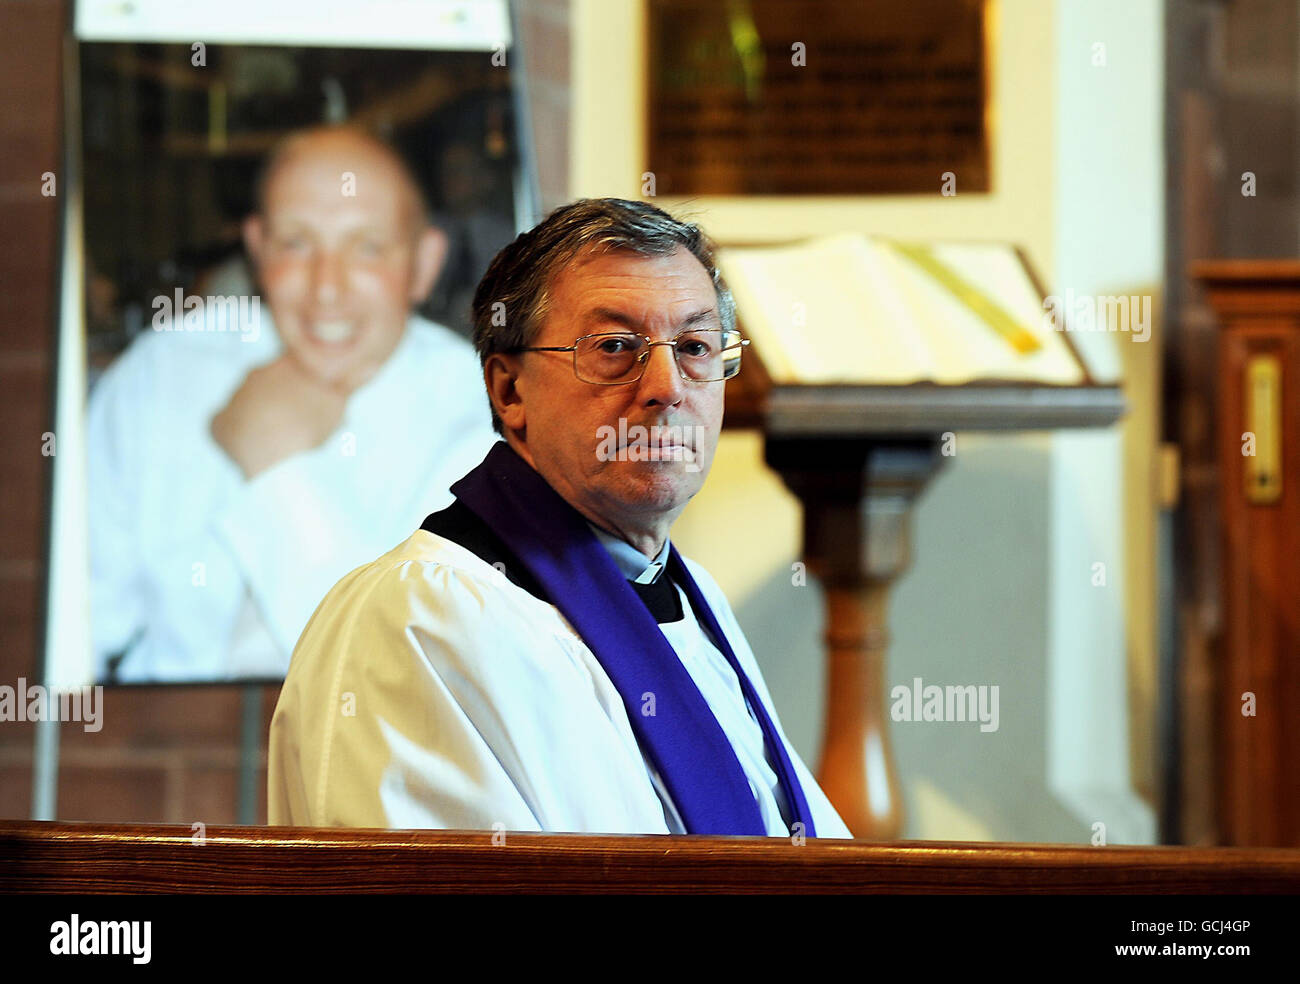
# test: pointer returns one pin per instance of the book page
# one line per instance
(856, 310)
(997, 271)
(822, 313)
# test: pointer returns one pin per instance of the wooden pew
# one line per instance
(77, 858)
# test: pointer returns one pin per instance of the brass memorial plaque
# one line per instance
(805, 97)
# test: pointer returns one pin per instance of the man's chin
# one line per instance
(324, 372)
(336, 369)
(660, 485)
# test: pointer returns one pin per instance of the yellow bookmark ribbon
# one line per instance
(971, 297)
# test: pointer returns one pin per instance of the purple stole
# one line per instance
(682, 737)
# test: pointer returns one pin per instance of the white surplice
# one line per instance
(430, 692)
(198, 573)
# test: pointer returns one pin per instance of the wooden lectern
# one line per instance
(857, 456)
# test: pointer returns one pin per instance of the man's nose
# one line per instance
(327, 276)
(661, 383)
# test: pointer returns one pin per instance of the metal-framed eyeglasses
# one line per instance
(612, 358)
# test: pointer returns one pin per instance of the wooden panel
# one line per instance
(1260, 786)
(1258, 303)
(80, 858)
(25, 384)
(818, 97)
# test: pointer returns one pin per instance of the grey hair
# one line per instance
(513, 297)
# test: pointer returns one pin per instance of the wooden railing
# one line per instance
(79, 858)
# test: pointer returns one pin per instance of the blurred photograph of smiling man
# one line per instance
(237, 470)
(538, 655)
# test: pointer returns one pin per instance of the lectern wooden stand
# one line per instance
(857, 457)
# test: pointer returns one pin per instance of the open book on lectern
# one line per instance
(852, 309)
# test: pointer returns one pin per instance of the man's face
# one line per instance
(567, 424)
(341, 256)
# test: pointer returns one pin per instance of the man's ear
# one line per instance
(501, 375)
(430, 255)
(254, 231)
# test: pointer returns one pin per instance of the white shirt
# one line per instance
(429, 692)
(201, 574)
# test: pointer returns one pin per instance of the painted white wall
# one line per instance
(1108, 216)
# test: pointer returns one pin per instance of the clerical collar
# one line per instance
(630, 560)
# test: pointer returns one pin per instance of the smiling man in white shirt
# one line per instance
(538, 656)
(237, 472)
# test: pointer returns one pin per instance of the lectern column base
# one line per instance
(857, 496)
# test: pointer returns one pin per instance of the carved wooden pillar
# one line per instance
(857, 457)
(857, 495)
